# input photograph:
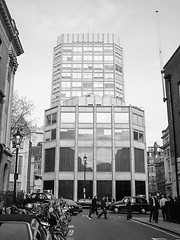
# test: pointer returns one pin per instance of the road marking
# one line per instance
(70, 233)
(159, 238)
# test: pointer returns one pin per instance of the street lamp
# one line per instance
(84, 182)
(17, 138)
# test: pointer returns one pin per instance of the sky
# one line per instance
(40, 22)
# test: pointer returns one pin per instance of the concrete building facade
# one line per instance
(172, 85)
(88, 116)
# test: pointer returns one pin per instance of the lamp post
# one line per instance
(17, 138)
(84, 182)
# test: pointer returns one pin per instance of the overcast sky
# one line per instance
(40, 22)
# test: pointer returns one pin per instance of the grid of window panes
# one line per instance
(82, 67)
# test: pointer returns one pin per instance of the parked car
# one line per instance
(39, 197)
(22, 226)
(74, 208)
(138, 204)
(85, 202)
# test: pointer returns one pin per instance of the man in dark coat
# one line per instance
(103, 207)
(129, 209)
(154, 208)
(93, 207)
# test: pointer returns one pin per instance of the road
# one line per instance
(116, 227)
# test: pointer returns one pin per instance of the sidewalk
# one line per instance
(164, 225)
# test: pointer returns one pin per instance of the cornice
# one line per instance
(10, 26)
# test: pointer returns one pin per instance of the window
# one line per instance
(121, 117)
(122, 160)
(50, 135)
(85, 134)
(51, 119)
(85, 117)
(103, 134)
(139, 160)
(66, 159)
(49, 160)
(67, 134)
(137, 119)
(103, 117)
(67, 117)
(138, 136)
(121, 134)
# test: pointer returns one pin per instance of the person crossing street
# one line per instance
(93, 207)
(103, 207)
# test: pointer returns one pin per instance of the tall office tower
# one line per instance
(87, 63)
(93, 143)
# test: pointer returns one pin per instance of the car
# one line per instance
(138, 204)
(39, 197)
(22, 226)
(85, 202)
(74, 208)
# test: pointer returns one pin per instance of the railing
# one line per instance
(6, 198)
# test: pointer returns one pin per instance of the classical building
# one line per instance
(155, 163)
(10, 49)
(172, 85)
(167, 162)
(88, 117)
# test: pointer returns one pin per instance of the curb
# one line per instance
(157, 226)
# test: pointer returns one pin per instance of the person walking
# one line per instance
(163, 207)
(154, 206)
(129, 209)
(93, 207)
(103, 207)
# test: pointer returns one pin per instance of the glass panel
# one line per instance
(48, 119)
(66, 159)
(53, 134)
(103, 134)
(89, 154)
(54, 117)
(139, 160)
(49, 160)
(89, 189)
(67, 117)
(122, 134)
(49, 185)
(66, 189)
(67, 134)
(85, 117)
(104, 159)
(121, 117)
(123, 188)
(85, 134)
(122, 159)
(103, 117)
(140, 188)
(104, 189)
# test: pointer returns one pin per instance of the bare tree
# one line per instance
(22, 109)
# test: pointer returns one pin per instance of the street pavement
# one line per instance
(164, 225)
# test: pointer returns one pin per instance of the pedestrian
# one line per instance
(154, 208)
(129, 209)
(103, 207)
(163, 207)
(93, 207)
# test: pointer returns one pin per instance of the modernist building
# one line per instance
(172, 84)
(10, 48)
(88, 116)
